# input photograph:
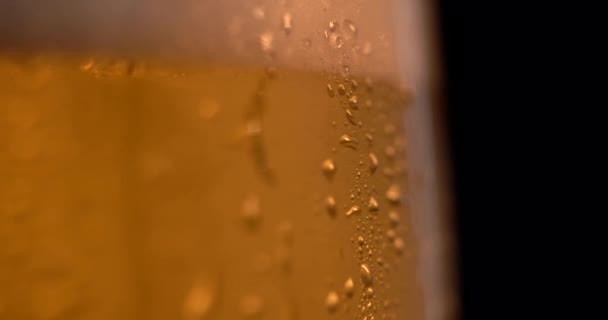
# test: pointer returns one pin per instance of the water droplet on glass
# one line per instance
(353, 102)
(341, 89)
(328, 167)
(373, 162)
(373, 204)
(336, 41)
(390, 152)
(390, 234)
(330, 90)
(253, 128)
(251, 211)
(361, 240)
(351, 29)
(354, 84)
(366, 275)
(258, 13)
(330, 204)
(389, 129)
(287, 23)
(369, 292)
(349, 287)
(332, 301)
(398, 243)
(349, 141)
(333, 25)
(393, 193)
(350, 117)
(198, 302)
(353, 210)
(380, 261)
(266, 40)
(251, 306)
(393, 217)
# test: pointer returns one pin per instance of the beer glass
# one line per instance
(225, 159)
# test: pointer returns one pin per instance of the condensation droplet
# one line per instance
(328, 167)
(369, 292)
(253, 128)
(354, 84)
(398, 243)
(250, 211)
(389, 129)
(333, 25)
(366, 275)
(350, 116)
(266, 42)
(198, 302)
(330, 90)
(373, 162)
(373, 204)
(330, 204)
(349, 287)
(351, 29)
(341, 89)
(369, 138)
(258, 13)
(353, 210)
(287, 23)
(349, 141)
(390, 152)
(361, 240)
(393, 193)
(393, 217)
(251, 305)
(336, 41)
(332, 301)
(390, 234)
(353, 102)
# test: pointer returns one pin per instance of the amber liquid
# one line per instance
(155, 190)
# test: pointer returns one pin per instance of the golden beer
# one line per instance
(145, 187)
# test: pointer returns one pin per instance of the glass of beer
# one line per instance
(220, 160)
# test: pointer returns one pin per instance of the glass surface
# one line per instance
(220, 160)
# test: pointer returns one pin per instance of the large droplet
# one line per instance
(393, 193)
(373, 204)
(198, 302)
(349, 141)
(353, 102)
(353, 210)
(328, 167)
(350, 116)
(332, 301)
(349, 287)
(366, 275)
(393, 217)
(287, 23)
(266, 42)
(251, 305)
(399, 245)
(330, 90)
(330, 205)
(350, 28)
(373, 162)
(333, 25)
(250, 211)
